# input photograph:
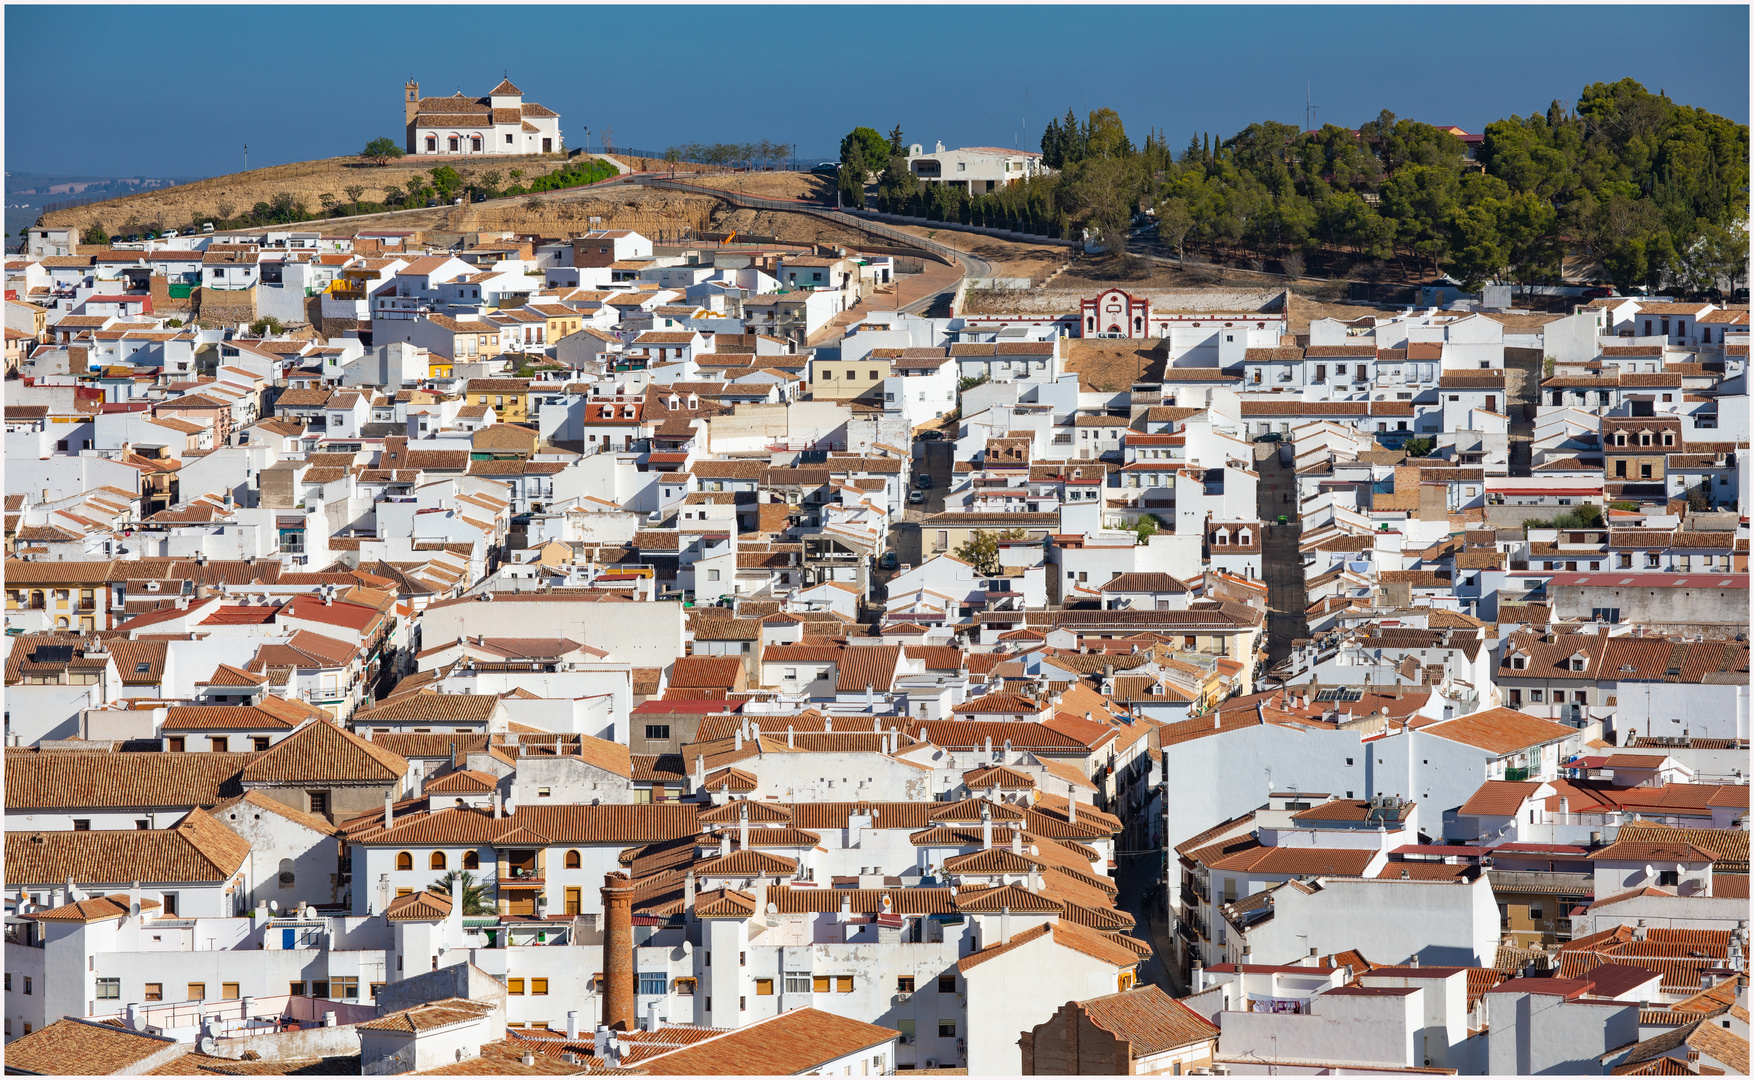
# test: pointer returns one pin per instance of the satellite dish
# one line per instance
(773, 909)
(274, 906)
(207, 1045)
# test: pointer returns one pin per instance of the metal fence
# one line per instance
(790, 162)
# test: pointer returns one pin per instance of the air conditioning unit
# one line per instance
(931, 1063)
(905, 1040)
(901, 995)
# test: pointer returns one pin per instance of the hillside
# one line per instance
(305, 181)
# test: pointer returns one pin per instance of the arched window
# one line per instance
(471, 861)
(404, 861)
(286, 873)
(61, 623)
(432, 144)
(36, 599)
(453, 144)
(475, 144)
(573, 861)
(437, 862)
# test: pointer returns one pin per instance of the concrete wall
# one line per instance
(342, 1040)
(1648, 604)
(1540, 1033)
(1340, 1028)
(642, 634)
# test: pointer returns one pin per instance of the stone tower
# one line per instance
(411, 100)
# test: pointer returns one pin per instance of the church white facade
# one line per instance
(500, 123)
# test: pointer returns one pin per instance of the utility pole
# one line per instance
(246, 157)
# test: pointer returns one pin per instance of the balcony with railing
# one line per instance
(1552, 883)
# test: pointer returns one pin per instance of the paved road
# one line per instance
(1137, 876)
(904, 534)
(1281, 562)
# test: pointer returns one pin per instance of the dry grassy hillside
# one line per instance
(306, 181)
(769, 185)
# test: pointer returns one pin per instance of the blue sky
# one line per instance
(162, 101)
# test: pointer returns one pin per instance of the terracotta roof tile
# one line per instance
(198, 848)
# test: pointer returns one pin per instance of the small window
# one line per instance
(471, 860)
(544, 793)
(437, 862)
(904, 985)
(764, 988)
(228, 991)
(514, 986)
(155, 991)
(404, 860)
(819, 984)
(539, 986)
(197, 991)
(947, 1029)
(843, 984)
(109, 989)
(574, 860)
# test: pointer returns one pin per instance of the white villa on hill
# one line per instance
(500, 123)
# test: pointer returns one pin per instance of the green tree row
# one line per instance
(1656, 192)
(751, 155)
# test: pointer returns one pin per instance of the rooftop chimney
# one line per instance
(389, 811)
(1005, 925)
(618, 1000)
(572, 1025)
(791, 737)
(498, 806)
(1413, 961)
(986, 828)
(724, 844)
(743, 824)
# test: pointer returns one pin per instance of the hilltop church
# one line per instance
(500, 123)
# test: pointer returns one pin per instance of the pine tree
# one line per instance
(1053, 150)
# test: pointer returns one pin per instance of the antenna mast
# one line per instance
(1309, 109)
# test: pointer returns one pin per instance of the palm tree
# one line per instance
(462, 882)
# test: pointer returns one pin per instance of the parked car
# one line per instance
(888, 561)
(827, 168)
(925, 481)
(931, 436)
(481, 196)
(915, 497)
(1597, 293)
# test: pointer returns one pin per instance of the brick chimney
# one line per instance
(619, 1010)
